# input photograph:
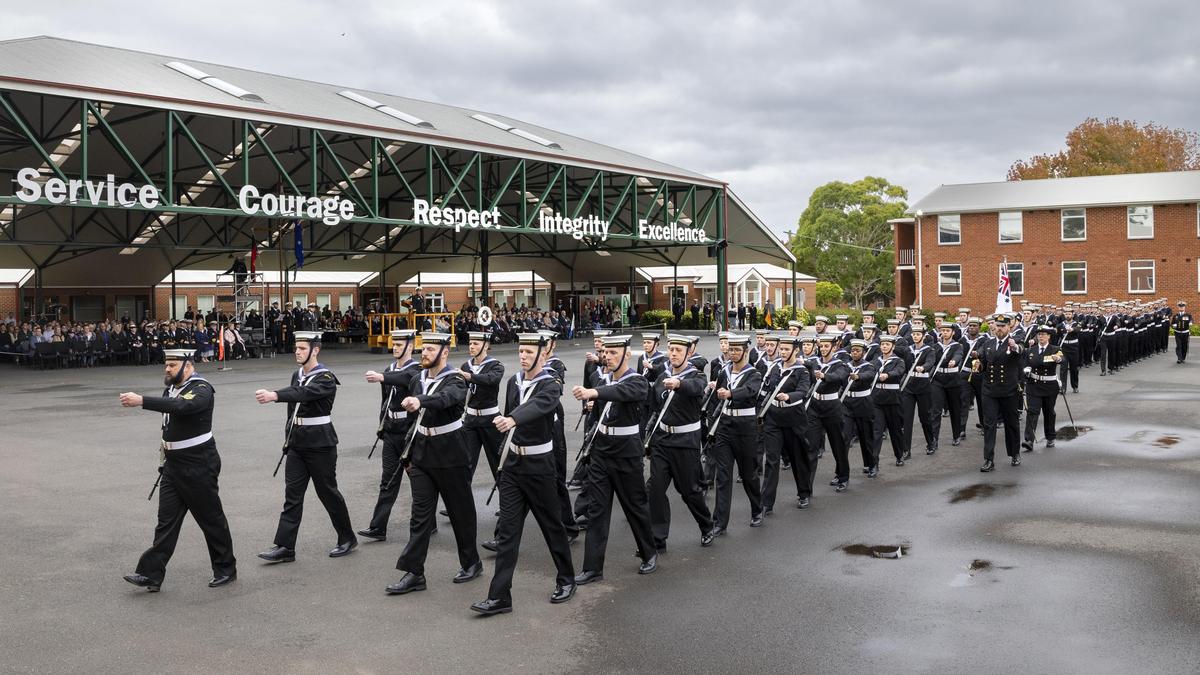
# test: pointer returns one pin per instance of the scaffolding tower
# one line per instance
(241, 293)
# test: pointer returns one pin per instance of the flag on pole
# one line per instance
(299, 231)
(1004, 290)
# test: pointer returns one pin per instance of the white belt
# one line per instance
(947, 370)
(313, 421)
(685, 429)
(1069, 342)
(826, 397)
(480, 412)
(632, 430)
(532, 449)
(858, 394)
(885, 385)
(438, 431)
(397, 414)
(785, 404)
(741, 412)
(1044, 378)
(187, 442)
(916, 374)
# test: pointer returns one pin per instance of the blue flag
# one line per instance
(299, 244)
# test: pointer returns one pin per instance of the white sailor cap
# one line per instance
(538, 339)
(601, 332)
(481, 335)
(436, 338)
(549, 335)
(403, 334)
(616, 340)
(178, 354)
(683, 340)
(774, 337)
(795, 324)
(861, 344)
(822, 318)
(739, 340)
(308, 336)
(842, 317)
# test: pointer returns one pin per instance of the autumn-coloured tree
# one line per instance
(1114, 146)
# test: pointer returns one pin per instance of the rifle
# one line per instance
(387, 406)
(287, 440)
(500, 466)
(911, 370)
(712, 431)
(808, 399)
(658, 421)
(775, 393)
(412, 436)
(848, 382)
(582, 414)
(587, 443)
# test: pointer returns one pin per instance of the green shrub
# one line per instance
(828, 294)
(656, 317)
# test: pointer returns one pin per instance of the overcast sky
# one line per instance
(775, 101)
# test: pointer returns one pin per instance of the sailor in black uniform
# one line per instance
(188, 468)
(483, 375)
(397, 382)
(674, 443)
(311, 447)
(860, 412)
(527, 480)
(1181, 323)
(438, 465)
(1041, 386)
(616, 461)
(734, 433)
(1001, 360)
(783, 424)
(555, 364)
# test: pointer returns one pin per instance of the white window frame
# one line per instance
(435, 301)
(1020, 224)
(1150, 220)
(947, 216)
(960, 278)
(203, 308)
(1010, 270)
(301, 298)
(275, 299)
(1062, 222)
(345, 301)
(1153, 275)
(181, 304)
(328, 301)
(1062, 277)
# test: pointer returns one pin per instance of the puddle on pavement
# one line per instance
(979, 491)
(878, 551)
(1071, 433)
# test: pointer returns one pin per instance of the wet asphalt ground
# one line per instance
(1084, 559)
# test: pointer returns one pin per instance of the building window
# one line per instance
(177, 312)
(300, 300)
(1140, 222)
(275, 299)
(949, 279)
(1074, 224)
(435, 302)
(1074, 276)
(345, 301)
(323, 301)
(1011, 227)
(205, 303)
(1141, 276)
(949, 230)
(1016, 278)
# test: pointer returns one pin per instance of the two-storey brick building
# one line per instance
(1134, 236)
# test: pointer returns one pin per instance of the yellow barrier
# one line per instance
(391, 321)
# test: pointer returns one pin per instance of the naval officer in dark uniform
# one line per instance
(438, 465)
(483, 375)
(1001, 360)
(616, 461)
(528, 477)
(188, 468)
(1181, 323)
(1041, 385)
(398, 381)
(310, 443)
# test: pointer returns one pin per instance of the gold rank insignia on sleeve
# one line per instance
(189, 396)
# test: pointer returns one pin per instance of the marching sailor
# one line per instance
(311, 447)
(188, 469)
(397, 382)
(733, 436)
(1041, 386)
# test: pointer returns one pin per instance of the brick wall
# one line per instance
(9, 302)
(1175, 250)
(162, 296)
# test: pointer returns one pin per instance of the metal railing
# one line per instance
(905, 257)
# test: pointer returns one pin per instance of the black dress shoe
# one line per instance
(147, 583)
(222, 580)
(718, 531)
(1026, 446)
(873, 472)
(587, 577)
(802, 502)
(408, 583)
(491, 545)
(469, 573)
(756, 520)
(1016, 461)
(278, 554)
(867, 470)
(650, 565)
(907, 455)
(1074, 390)
(1049, 442)
(840, 487)
(956, 442)
(835, 482)
(707, 538)
(900, 462)
(987, 466)
(930, 450)
(562, 593)
(373, 534)
(343, 549)
(492, 606)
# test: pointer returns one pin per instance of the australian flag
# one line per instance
(299, 232)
